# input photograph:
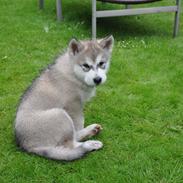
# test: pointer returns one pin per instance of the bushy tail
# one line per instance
(60, 152)
(66, 153)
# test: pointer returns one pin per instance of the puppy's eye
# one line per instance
(86, 67)
(102, 65)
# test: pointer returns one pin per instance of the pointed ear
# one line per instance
(107, 43)
(75, 47)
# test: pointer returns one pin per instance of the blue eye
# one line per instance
(86, 67)
(102, 65)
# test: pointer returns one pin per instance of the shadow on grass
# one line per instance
(142, 25)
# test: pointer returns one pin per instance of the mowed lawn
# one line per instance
(140, 107)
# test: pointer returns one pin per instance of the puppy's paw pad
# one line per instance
(96, 129)
(92, 145)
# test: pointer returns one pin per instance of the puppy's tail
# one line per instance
(65, 153)
(60, 152)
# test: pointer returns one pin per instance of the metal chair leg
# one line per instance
(94, 20)
(127, 6)
(177, 17)
(41, 4)
(59, 10)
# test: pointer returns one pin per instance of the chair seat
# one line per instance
(128, 1)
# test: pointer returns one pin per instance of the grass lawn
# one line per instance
(140, 107)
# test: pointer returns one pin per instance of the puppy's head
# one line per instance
(91, 59)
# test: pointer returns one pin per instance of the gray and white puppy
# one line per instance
(49, 120)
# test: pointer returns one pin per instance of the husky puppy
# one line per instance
(49, 120)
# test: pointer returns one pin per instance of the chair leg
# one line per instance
(177, 17)
(127, 6)
(41, 4)
(94, 20)
(59, 10)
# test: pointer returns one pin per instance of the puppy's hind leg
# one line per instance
(67, 153)
(57, 137)
(88, 132)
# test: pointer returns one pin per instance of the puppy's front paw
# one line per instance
(95, 129)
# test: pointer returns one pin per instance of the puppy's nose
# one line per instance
(97, 80)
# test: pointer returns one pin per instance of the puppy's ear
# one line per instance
(107, 43)
(75, 47)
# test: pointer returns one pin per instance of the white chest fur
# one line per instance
(88, 94)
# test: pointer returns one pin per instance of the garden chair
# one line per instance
(123, 12)
(135, 11)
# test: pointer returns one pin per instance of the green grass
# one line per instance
(140, 107)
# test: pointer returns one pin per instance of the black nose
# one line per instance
(97, 80)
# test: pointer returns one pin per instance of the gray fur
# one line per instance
(49, 119)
